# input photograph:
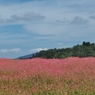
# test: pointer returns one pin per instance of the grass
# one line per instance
(47, 85)
(71, 79)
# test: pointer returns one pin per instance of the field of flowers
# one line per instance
(70, 76)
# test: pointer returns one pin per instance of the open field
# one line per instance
(70, 76)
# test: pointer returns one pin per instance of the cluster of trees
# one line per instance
(87, 49)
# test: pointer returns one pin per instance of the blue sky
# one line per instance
(28, 26)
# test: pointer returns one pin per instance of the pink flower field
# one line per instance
(70, 76)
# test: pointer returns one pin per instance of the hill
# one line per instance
(25, 56)
(87, 49)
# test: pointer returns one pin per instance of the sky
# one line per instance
(28, 26)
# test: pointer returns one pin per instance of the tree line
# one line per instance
(87, 49)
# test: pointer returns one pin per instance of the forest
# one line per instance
(87, 49)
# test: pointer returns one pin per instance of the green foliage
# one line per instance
(87, 49)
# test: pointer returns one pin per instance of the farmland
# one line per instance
(37, 76)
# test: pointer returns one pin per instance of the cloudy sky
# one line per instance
(28, 26)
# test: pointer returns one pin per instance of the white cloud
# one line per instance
(26, 16)
(36, 50)
(60, 45)
(79, 20)
(21, 18)
(10, 50)
(15, 50)
(51, 9)
(92, 17)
